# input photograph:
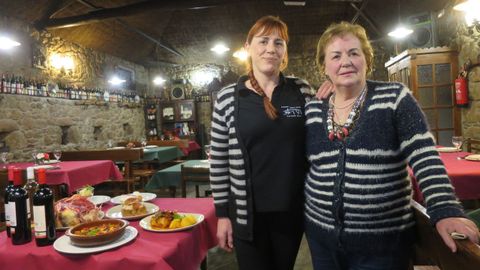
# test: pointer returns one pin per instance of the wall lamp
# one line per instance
(7, 43)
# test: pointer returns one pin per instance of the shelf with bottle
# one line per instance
(19, 85)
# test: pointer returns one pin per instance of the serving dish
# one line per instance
(116, 212)
(145, 223)
(96, 233)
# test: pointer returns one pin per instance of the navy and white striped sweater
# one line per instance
(229, 176)
(358, 191)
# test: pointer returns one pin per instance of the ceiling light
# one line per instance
(220, 49)
(158, 80)
(241, 54)
(8, 43)
(400, 32)
(116, 80)
(294, 3)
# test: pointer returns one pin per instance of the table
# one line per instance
(162, 153)
(149, 251)
(171, 176)
(464, 176)
(76, 174)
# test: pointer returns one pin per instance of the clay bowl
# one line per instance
(93, 237)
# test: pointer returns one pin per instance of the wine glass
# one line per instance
(34, 156)
(58, 154)
(110, 144)
(144, 142)
(207, 149)
(4, 156)
(457, 141)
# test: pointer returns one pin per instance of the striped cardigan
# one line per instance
(358, 191)
(229, 176)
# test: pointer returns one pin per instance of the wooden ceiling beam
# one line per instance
(127, 10)
(368, 19)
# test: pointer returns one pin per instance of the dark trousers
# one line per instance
(276, 239)
(324, 257)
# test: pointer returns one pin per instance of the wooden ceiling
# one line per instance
(151, 32)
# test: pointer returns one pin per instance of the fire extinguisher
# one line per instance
(461, 89)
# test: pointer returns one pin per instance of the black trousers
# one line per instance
(276, 240)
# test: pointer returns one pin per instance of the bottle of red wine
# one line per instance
(20, 229)
(43, 212)
(8, 190)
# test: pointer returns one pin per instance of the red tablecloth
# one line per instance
(76, 174)
(192, 146)
(464, 175)
(182, 250)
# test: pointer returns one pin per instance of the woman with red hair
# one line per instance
(257, 157)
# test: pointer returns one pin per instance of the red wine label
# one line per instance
(39, 219)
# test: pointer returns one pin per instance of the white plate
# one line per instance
(448, 149)
(101, 215)
(473, 157)
(63, 245)
(117, 147)
(116, 212)
(99, 199)
(46, 167)
(145, 223)
(146, 196)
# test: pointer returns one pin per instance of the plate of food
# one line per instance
(171, 221)
(75, 210)
(99, 199)
(448, 149)
(473, 157)
(132, 208)
(64, 245)
(145, 196)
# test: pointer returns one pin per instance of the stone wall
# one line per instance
(454, 32)
(34, 123)
(43, 124)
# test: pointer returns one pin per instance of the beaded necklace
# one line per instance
(341, 131)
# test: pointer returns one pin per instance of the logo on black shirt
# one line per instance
(291, 111)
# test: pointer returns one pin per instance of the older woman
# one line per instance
(257, 156)
(359, 143)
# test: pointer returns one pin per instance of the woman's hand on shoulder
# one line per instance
(225, 234)
(325, 90)
(447, 226)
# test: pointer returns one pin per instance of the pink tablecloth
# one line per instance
(76, 174)
(182, 250)
(464, 175)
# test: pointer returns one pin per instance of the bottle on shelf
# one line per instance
(21, 231)
(43, 213)
(31, 187)
(8, 190)
(3, 84)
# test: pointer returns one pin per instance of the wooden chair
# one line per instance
(473, 145)
(178, 143)
(431, 250)
(198, 176)
(127, 156)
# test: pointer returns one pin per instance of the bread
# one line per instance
(133, 206)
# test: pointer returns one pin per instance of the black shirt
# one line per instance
(276, 148)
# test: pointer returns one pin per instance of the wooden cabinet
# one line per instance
(430, 75)
(179, 117)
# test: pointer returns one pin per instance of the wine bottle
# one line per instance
(21, 231)
(43, 213)
(31, 187)
(8, 190)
